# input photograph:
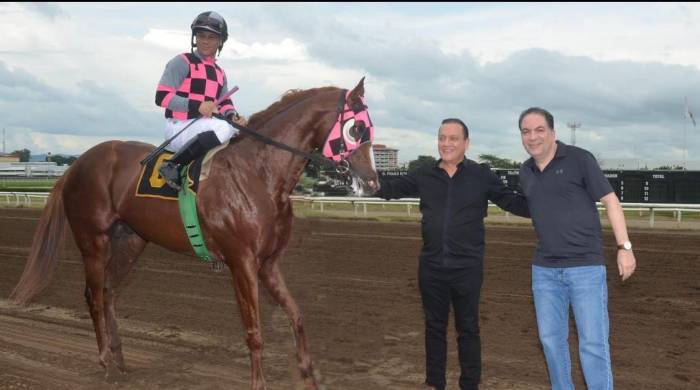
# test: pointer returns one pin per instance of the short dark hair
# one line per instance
(537, 110)
(457, 121)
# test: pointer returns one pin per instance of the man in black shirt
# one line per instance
(454, 197)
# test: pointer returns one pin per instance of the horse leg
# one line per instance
(126, 246)
(274, 282)
(95, 251)
(245, 281)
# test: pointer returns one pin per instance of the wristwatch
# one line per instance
(625, 245)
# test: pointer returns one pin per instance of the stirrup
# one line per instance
(171, 174)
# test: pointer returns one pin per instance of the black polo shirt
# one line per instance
(562, 205)
(454, 209)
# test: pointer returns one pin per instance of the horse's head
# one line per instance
(349, 143)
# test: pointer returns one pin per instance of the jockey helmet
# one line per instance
(212, 22)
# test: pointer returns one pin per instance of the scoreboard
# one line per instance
(640, 186)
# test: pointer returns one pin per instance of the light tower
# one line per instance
(573, 126)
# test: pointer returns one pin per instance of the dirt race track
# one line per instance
(356, 285)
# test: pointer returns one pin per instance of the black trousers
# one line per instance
(440, 287)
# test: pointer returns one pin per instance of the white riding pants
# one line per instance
(224, 131)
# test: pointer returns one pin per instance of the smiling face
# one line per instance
(207, 43)
(539, 140)
(452, 144)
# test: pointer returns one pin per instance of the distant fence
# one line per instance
(24, 199)
(28, 170)
(359, 205)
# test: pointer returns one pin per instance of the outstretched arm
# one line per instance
(399, 187)
(626, 263)
(505, 198)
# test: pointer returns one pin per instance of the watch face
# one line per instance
(627, 245)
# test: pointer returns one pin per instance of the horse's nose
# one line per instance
(373, 185)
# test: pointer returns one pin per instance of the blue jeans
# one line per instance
(585, 289)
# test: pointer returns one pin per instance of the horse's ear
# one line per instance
(359, 90)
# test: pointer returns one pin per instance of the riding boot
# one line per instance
(192, 150)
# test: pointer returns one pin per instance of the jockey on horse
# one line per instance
(188, 90)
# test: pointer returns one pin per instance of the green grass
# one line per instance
(34, 205)
(660, 215)
(398, 213)
(27, 185)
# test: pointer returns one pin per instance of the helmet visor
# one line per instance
(209, 21)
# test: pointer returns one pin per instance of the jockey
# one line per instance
(188, 89)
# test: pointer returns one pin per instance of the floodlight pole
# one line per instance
(573, 126)
(685, 146)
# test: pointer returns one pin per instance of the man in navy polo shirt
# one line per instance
(562, 184)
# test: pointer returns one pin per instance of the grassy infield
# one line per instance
(396, 213)
(39, 185)
(384, 213)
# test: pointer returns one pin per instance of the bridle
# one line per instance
(351, 129)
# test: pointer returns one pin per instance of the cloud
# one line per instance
(622, 71)
(169, 39)
(29, 103)
(409, 142)
(48, 10)
(286, 50)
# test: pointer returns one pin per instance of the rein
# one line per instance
(313, 156)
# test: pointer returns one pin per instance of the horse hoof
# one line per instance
(114, 375)
(311, 385)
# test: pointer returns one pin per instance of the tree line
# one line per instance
(312, 170)
(26, 154)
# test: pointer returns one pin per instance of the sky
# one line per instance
(74, 75)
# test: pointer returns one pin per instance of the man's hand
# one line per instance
(208, 108)
(625, 258)
(626, 263)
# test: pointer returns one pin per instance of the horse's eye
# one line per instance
(349, 129)
(358, 130)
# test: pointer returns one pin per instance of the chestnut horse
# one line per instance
(244, 209)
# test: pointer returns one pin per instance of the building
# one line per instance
(8, 158)
(384, 157)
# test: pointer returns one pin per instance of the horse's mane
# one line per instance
(289, 98)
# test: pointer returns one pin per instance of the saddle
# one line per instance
(152, 185)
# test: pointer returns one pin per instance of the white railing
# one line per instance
(359, 205)
(25, 199)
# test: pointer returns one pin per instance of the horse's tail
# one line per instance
(47, 242)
